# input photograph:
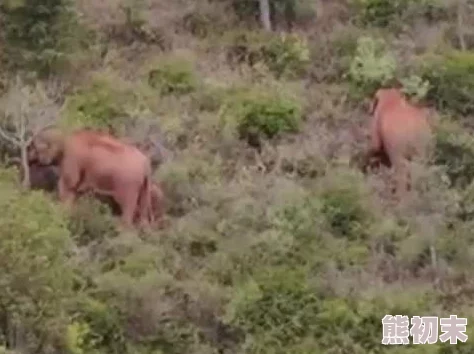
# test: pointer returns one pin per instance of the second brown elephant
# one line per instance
(98, 163)
(399, 133)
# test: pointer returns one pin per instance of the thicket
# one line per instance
(277, 243)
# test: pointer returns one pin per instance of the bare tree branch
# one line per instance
(8, 138)
(27, 110)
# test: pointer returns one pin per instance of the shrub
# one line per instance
(101, 326)
(331, 57)
(285, 311)
(455, 150)
(452, 80)
(103, 104)
(345, 214)
(173, 76)
(371, 65)
(284, 54)
(260, 111)
(381, 13)
(276, 310)
(36, 278)
(415, 87)
(287, 55)
(91, 220)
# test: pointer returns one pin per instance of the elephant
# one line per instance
(399, 132)
(46, 177)
(157, 203)
(42, 177)
(96, 162)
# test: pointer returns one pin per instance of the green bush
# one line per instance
(101, 327)
(276, 310)
(345, 213)
(415, 87)
(35, 275)
(173, 76)
(284, 54)
(261, 111)
(452, 80)
(372, 66)
(455, 150)
(287, 55)
(91, 221)
(103, 104)
(283, 310)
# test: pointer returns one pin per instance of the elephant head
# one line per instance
(386, 97)
(47, 147)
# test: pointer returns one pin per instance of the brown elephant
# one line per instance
(42, 177)
(157, 204)
(99, 163)
(399, 133)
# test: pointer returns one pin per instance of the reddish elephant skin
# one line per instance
(99, 163)
(399, 132)
(157, 204)
(46, 177)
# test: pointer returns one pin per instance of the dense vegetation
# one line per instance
(277, 243)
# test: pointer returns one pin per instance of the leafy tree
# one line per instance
(34, 31)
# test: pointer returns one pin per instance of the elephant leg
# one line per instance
(127, 198)
(66, 195)
(69, 182)
(402, 178)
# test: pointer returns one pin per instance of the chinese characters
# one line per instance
(423, 330)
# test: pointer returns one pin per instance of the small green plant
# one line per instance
(75, 338)
(415, 87)
(287, 54)
(262, 112)
(173, 76)
(372, 66)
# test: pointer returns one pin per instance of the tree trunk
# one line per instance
(460, 24)
(25, 183)
(265, 14)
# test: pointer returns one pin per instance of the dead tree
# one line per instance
(24, 112)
